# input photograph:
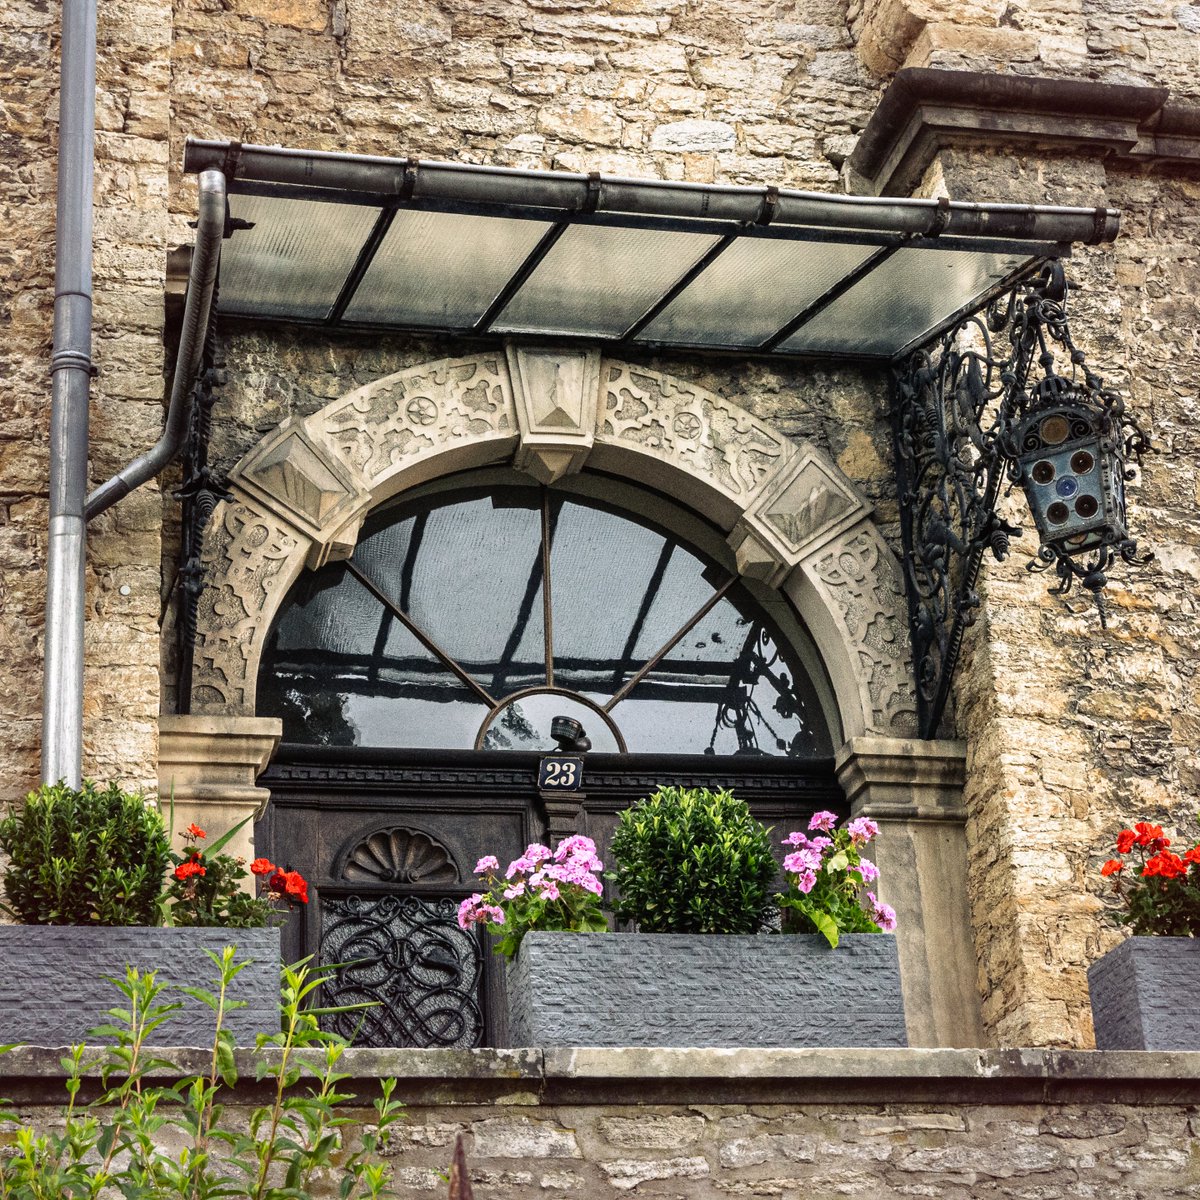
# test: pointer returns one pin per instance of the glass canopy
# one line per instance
(475, 619)
(346, 241)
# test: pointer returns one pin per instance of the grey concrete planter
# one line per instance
(53, 989)
(671, 989)
(1144, 995)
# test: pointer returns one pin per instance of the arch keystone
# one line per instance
(555, 395)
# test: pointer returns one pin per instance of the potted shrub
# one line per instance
(1143, 992)
(86, 881)
(697, 878)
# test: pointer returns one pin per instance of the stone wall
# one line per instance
(1071, 734)
(123, 600)
(1142, 41)
(1074, 732)
(949, 1125)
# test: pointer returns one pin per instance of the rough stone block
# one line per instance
(1143, 995)
(568, 989)
(53, 989)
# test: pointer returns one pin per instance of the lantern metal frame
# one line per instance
(968, 418)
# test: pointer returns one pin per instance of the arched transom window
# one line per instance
(471, 616)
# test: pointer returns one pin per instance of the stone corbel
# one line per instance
(207, 772)
(555, 393)
(305, 484)
(806, 505)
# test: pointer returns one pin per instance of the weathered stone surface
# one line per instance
(52, 988)
(998, 1138)
(666, 989)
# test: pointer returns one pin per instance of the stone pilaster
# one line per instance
(913, 790)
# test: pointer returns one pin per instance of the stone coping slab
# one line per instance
(587, 1076)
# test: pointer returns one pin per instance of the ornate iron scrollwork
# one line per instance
(199, 493)
(983, 407)
(408, 961)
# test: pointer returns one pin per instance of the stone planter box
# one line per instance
(670, 989)
(1144, 995)
(53, 989)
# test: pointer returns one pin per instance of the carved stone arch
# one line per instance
(793, 520)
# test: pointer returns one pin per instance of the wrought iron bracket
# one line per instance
(1004, 398)
(199, 494)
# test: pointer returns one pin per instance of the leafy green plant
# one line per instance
(294, 1147)
(689, 860)
(95, 856)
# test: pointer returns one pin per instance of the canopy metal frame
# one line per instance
(1027, 235)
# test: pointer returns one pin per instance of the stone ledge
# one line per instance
(925, 109)
(589, 1076)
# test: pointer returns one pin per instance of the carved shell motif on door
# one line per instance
(400, 856)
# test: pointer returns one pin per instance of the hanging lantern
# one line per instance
(1073, 473)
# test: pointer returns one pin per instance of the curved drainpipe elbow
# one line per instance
(202, 277)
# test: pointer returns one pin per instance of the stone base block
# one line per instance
(667, 989)
(1144, 995)
(53, 985)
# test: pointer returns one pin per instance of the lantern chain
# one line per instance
(990, 405)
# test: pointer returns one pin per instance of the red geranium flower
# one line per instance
(1166, 864)
(1193, 855)
(1125, 840)
(295, 886)
(262, 866)
(1147, 833)
(186, 870)
(1112, 867)
(194, 831)
(278, 882)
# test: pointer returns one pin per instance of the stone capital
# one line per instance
(903, 778)
(207, 772)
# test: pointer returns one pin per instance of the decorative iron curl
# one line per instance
(959, 408)
(199, 493)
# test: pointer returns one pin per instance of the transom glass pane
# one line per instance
(434, 635)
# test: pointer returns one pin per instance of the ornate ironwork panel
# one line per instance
(988, 406)
(407, 959)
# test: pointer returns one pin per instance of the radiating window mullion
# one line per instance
(670, 644)
(639, 620)
(419, 633)
(547, 602)
(524, 612)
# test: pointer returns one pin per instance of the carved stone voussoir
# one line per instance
(806, 504)
(252, 557)
(385, 430)
(702, 435)
(555, 393)
(301, 480)
(859, 579)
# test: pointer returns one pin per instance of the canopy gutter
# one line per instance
(414, 179)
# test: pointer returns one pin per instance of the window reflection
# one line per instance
(439, 620)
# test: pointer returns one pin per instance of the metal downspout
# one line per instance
(210, 228)
(70, 372)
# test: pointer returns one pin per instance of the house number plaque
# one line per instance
(557, 774)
